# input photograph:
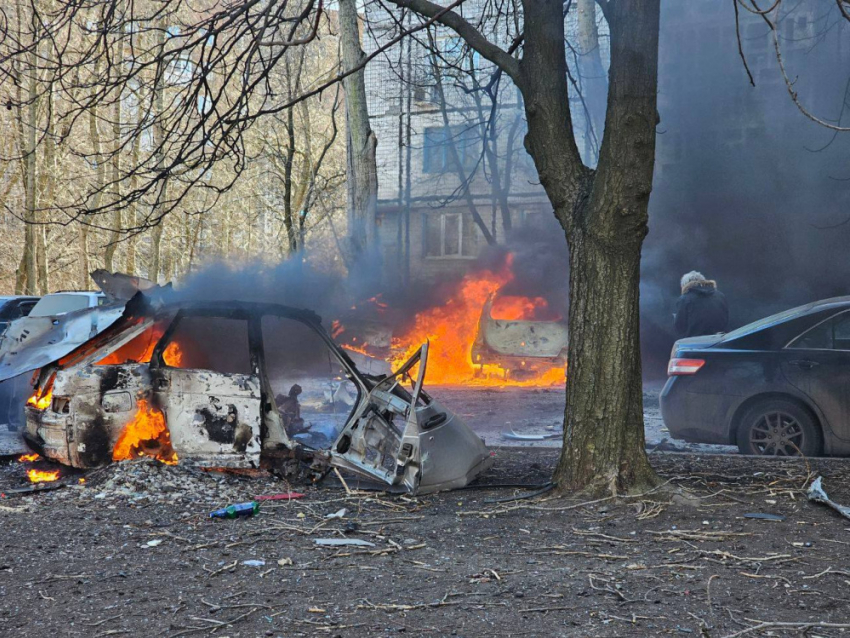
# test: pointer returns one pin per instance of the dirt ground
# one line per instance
(132, 552)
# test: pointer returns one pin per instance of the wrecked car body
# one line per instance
(520, 347)
(245, 385)
(56, 325)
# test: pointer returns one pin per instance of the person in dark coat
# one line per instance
(702, 308)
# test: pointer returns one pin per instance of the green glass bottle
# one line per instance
(240, 510)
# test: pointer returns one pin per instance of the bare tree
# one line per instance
(362, 143)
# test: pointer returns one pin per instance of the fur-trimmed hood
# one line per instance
(709, 284)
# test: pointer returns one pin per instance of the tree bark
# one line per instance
(29, 262)
(100, 177)
(604, 448)
(132, 212)
(114, 232)
(362, 183)
(154, 259)
(47, 194)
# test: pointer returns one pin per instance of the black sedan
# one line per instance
(779, 386)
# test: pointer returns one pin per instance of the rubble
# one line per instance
(144, 481)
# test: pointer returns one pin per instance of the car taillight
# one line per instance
(678, 367)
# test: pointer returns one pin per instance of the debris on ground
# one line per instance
(817, 494)
(508, 433)
(472, 562)
(341, 542)
(239, 510)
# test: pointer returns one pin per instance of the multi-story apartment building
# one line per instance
(707, 107)
(450, 149)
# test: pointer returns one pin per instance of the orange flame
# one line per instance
(140, 349)
(29, 458)
(173, 355)
(39, 476)
(359, 349)
(514, 308)
(41, 402)
(336, 328)
(452, 328)
(146, 435)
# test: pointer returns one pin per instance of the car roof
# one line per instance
(755, 334)
(224, 308)
(75, 292)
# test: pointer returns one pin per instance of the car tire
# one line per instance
(779, 427)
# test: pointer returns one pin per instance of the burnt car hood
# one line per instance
(30, 343)
(33, 342)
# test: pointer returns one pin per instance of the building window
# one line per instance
(436, 150)
(450, 235)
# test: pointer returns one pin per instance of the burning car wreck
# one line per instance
(521, 337)
(245, 385)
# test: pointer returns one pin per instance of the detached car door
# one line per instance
(381, 441)
(818, 363)
(205, 378)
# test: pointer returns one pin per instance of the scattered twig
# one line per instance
(771, 624)
(222, 569)
(342, 480)
(708, 588)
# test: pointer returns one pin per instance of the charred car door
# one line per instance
(205, 376)
(403, 437)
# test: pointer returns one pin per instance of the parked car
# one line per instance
(778, 386)
(12, 308)
(232, 384)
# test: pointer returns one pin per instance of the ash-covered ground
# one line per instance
(491, 411)
(132, 552)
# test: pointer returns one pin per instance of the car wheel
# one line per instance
(779, 427)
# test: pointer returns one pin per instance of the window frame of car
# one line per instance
(790, 345)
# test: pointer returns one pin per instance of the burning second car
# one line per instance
(245, 385)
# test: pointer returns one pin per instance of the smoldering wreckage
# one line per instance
(231, 385)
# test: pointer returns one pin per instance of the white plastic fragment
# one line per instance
(337, 542)
(816, 494)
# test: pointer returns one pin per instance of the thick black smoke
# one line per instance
(747, 190)
(745, 184)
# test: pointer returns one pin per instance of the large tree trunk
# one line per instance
(362, 164)
(604, 433)
(604, 215)
(604, 438)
